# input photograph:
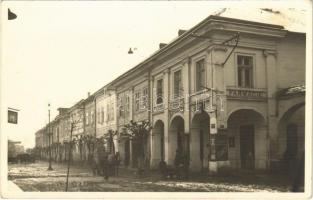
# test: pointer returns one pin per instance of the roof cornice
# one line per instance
(210, 19)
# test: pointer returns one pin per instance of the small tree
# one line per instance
(72, 141)
(138, 132)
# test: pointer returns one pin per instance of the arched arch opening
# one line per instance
(178, 140)
(158, 141)
(199, 137)
(247, 139)
(291, 136)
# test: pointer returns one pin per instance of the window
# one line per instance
(87, 118)
(200, 75)
(108, 112)
(145, 98)
(159, 97)
(126, 106)
(120, 106)
(137, 100)
(91, 117)
(112, 111)
(177, 83)
(102, 115)
(99, 116)
(245, 67)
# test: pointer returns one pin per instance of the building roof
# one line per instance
(290, 18)
(222, 15)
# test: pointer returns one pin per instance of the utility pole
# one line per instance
(49, 136)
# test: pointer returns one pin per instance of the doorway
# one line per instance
(247, 146)
(292, 141)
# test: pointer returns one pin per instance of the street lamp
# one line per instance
(49, 136)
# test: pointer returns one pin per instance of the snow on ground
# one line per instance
(35, 177)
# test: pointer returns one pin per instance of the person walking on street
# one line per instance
(186, 166)
(117, 161)
(163, 168)
(106, 167)
(178, 164)
(111, 163)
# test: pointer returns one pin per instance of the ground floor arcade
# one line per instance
(249, 142)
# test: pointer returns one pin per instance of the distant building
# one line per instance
(14, 148)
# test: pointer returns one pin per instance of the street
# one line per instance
(36, 177)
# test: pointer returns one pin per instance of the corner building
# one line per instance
(226, 105)
(228, 93)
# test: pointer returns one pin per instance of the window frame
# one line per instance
(201, 59)
(87, 118)
(137, 100)
(157, 91)
(144, 98)
(181, 83)
(252, 71)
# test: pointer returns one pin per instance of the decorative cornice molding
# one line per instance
(269, 52)
(219, 48)
(185, 60)
(166, 71)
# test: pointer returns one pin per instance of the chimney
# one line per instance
(161, 45)
(180, 32)
(88, 94)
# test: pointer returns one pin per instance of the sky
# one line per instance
(56, 52)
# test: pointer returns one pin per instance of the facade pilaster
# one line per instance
(166, 75)
(271, 76)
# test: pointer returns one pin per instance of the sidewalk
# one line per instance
(13, 187)
(36, 177)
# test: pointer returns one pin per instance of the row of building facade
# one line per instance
(227, 104)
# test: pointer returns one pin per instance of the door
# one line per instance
(292, 141)
(127, 153)
(201, 136)
(162, 146)
(247, 146)
(292, 148)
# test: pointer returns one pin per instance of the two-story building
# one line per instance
(77, 126)
(133, 97)
(227, 93)
(216, 95)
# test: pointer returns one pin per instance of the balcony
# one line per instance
(176, 104)
(158, 107)
(255, 94)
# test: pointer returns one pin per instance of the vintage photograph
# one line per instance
(181, 97)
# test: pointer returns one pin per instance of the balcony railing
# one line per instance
(246, 93)
(176, 104)
(158, 107)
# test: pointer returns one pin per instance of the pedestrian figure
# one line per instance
(163, 168)
(186, 167)
(117, 161)
(178, 164)
(111, 163)
(92, 164)
(106, 167)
